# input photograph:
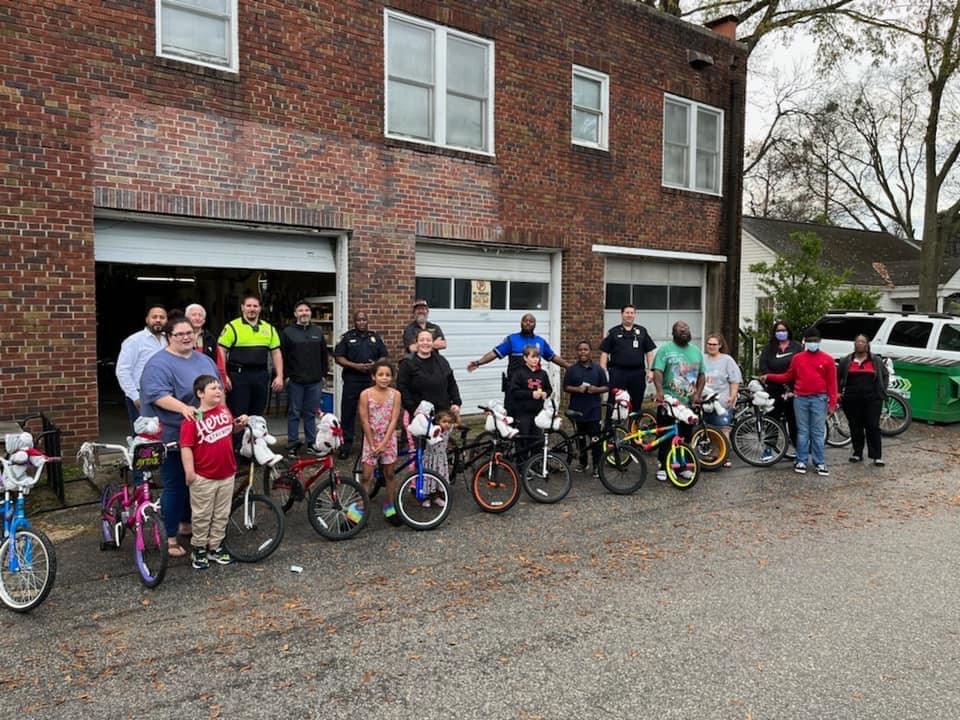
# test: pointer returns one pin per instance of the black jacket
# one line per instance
(522, 384)
(881, 377)
(304, 353)
(429, 379)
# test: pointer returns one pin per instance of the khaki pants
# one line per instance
(210, 503)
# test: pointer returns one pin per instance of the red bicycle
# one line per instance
(337, 507)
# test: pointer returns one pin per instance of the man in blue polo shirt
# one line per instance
(512, 348)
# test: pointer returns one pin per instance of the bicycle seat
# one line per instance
(574, 414)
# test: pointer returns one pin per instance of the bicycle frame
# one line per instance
(660, 435)
(14, 519)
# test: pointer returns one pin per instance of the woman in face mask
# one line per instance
(775, 358)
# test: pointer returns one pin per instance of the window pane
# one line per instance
(847, 328)
(410, 52)
(675, 165)
(218, 6)
(466, 68)
(617, 296)
(910, 333)
(498, 295)
(949, 338)
(436, 291)
(586, 93)
(528, 296)
(462, 294)
(684, 297)
(675, 124)
(409, 111)
(650, 297)
(183, 30)
(464, 122)
(586, 126)
(707, 171)
(708, 131)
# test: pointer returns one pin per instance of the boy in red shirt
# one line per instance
(814, 377)
(206, 448)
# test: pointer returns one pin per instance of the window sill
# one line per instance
(593, 150)
(185, 66)
(478, 157)
(675, 190)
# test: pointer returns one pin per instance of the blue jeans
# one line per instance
(811, 413)
(303, 400)
(175, 496)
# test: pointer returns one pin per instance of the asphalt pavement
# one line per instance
(757, 594)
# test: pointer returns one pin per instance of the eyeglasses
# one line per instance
(182, 335)
(712, 344)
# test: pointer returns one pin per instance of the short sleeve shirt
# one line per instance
(359, 347)
(680, 366)
(249, 344)
(411, 331)
(720, 372)
(211, 438)
(589, 405)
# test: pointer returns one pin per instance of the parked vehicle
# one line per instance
(892, 334)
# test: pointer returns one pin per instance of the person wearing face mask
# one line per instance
(813, 374)
(775, 358)
(356, 353)
(863, 381)
(305, 363)
(679, 370)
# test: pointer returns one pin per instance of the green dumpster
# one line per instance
(932, 386)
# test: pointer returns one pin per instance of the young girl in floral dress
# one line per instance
(379, 411)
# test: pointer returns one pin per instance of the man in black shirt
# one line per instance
(305, 361)
(356, 353)
(420, 313)
(626, 353)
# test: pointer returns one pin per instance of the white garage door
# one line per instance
(139, 243)
(477, 298)
(662, 291)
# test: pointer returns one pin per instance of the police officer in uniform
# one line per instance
(626, 353)
(356, 353)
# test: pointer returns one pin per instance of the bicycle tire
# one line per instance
(711, 447)
(623, 470)
(616, 436)
(377, 478)
(281, 485)
(495, 486)
(895, 415)
(564, 447)
(683, 467)
(151, 554)
(838, 430)
(338, 507)
(112, 527)
(23, 589)
(412, 511)
(546, 487)
(255, 540)
(761, 446)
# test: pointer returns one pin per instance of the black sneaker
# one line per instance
(855, 458)
(822, 471)
(344, 452)
(294, 450)
(221, 556)
(198, 558)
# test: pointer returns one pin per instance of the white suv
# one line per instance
(892, 334)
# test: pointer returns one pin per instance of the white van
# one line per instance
(892, 334)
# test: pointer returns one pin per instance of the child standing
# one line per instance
(379, 411)
(206, 448)
(529, 386)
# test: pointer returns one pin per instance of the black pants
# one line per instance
(352, 387)
(530, 438)
(247, 396)
(863, 414)
(664, 418)
(587, 429)
(633, 380)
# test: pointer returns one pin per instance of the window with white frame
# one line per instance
(692, 145)
(203, 32)
(439, 84)
(591, 108)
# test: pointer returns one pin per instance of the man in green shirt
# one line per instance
(679, 371)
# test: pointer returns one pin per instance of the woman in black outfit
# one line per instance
(775, 358)
(863, 380)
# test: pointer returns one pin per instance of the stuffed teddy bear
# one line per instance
(257, 441)
(760, 397)
(711, 403)
(680, 411)
(498, 421)
(621, 404)
(22, 457)
(547, 418)
(329, 434)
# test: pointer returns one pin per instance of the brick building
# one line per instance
(495, 157)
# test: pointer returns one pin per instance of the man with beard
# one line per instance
(420, 313)
(134, 353)
(356, 353)
(305, 361)
(512, 348)
(678, 368)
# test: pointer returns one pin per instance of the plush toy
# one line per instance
(547, 418)
(329, 434)
(760, 397)
(147, 430)
(257, 441)
(680, 411)
(22, 458)
(711, 403)
(498, 421)
(422, 426)
(621, 404)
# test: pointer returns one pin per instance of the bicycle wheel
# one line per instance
(759, 441)
(895, 415)
(495, 486)
(838, 430)
(563, 444)
(683, 468)
(254, 528)
(338, 507)
(28, 567)
(710, 445)
(623, 470)
(150, 553)
(112, 526)
(423, 512)
(281, 485)
(546, 481)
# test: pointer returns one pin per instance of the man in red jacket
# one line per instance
(814, 377)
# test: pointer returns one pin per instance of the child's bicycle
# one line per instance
(28, 562)
(682, 466)
(126, 507)
(256, 524)
(545, 474)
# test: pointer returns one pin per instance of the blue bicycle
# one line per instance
(28, 563)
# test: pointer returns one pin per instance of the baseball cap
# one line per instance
(811, 333)
(420, 301)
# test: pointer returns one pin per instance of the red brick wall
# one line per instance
(86, 105)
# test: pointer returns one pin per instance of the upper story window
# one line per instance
(591, 108)
(692, 145)
(198, 31)
(439, 85)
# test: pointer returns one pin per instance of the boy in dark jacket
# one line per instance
(529, 387)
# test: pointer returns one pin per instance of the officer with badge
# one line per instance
(356, 353)
(626, 353)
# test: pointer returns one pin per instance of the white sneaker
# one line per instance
(662, 475)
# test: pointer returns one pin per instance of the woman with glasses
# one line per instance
(723, 378)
